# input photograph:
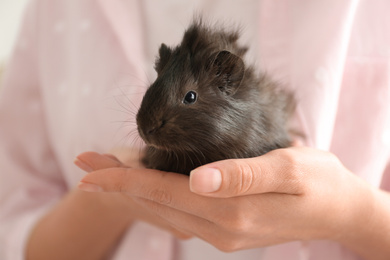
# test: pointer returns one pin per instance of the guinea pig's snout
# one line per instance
(151, 130)
(154, 128)
(148, 131)
(151, 133)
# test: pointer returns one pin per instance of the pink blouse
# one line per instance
(80, 67)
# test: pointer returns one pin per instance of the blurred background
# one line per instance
(10, 14)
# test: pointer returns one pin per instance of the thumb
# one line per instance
(238, 177)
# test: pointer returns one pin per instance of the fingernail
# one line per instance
(89, 187)
(82, 165)
(205, 180)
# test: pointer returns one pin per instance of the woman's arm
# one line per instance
(81, 226)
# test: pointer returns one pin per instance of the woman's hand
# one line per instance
(288, 194)
(91, 161)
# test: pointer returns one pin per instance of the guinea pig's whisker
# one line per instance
(197, 152)
(136, 77)
(124, 105)
(177, 160)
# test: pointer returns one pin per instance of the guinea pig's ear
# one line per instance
(164, 55)
(229, 69)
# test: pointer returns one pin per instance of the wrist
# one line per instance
(119, 205)
(368, 230)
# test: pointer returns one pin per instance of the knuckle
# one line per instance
(289, 156)
(293, 164)
(160, 196)
(242, 177)
(238, 222)
(247, 177)
(119, 187)
(332, 157)
(241, 225)
(119, 183)
(296, 169)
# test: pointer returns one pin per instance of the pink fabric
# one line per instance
(79, 66)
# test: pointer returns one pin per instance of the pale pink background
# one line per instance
(77, 64)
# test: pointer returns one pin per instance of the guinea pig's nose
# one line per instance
(153, 129)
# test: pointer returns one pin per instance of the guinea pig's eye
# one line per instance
(190, 97)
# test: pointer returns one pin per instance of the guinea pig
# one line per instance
(207, 105)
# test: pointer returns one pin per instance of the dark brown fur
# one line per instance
(237, 114)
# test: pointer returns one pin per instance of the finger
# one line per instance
(277, 171)
(221, 235)
(113, 157)
(188, 224)
(95, 161)
(91, 161)
(174, 230)
(129, 156)
(297, 143)
(168, 189)
(156, 220)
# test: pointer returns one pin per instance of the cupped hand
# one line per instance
(288, 194)
(91, 161)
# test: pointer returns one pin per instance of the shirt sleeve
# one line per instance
(30, 179)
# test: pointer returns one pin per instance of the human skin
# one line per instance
(290, 194)
(87, 225)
